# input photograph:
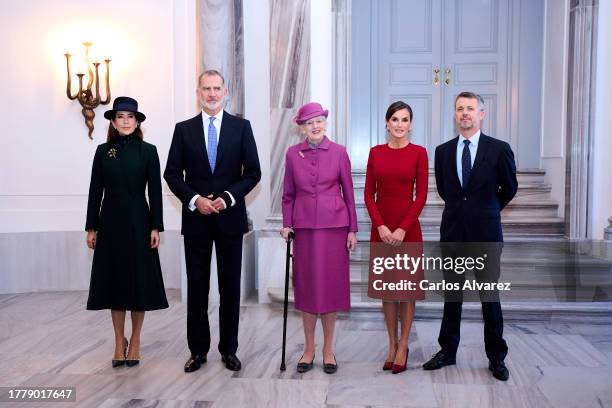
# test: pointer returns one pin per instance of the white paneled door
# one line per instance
(425, 52)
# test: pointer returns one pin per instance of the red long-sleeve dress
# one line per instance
(395, 193)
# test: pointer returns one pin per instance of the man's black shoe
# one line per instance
(499, 370)
(195, 362)
(438, 361)
(232, 362)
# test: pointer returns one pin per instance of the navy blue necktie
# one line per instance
(212, 144)
(466, 163)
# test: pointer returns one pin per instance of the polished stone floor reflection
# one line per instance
(49, 339)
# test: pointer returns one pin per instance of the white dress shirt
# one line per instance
(217, 124)
(473, 149)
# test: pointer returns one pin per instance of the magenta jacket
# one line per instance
(318, 188)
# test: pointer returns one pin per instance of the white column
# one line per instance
(554, 97)
(256, 20)
(184, 77)
(602, 144)
(321, 55)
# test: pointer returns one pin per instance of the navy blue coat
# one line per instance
(472, 214)
(237, 170)
(126, 272)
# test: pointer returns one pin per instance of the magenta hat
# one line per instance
(309, 111)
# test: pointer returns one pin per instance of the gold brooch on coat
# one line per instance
(112, 152)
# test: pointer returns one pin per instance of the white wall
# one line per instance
(47, 156)
(46, 164)
(602, 147)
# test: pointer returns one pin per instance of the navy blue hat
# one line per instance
(125, 103)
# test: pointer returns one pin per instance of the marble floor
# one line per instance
(49, 339)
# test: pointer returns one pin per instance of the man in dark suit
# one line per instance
(212, 165)
(476, 178)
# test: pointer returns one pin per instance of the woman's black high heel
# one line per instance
(119, 363)
(131, 362)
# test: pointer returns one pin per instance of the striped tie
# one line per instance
(212, 144)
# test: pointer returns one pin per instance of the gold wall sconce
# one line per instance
(86, 98)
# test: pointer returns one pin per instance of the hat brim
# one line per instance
(110, 114)
(302, 119)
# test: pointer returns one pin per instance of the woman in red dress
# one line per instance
(395, 171)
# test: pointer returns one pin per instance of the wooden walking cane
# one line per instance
(286, 303)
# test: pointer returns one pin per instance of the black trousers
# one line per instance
(450, 330)
(198, 253)
(495, 345)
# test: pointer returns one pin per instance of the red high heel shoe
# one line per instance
(389, 364)
(397, 368)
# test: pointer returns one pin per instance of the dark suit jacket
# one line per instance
(472, 214)
(237, 170)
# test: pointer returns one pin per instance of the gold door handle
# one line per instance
(437, 76)
(447, 72)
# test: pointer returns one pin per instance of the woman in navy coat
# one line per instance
(123, 229)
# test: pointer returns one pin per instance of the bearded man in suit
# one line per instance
(476, 178)
(212, 165)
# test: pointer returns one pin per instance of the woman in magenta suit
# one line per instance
(319, 207)
(395, 171)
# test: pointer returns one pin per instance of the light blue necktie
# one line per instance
(212, 144)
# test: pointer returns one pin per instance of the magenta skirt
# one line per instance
(321, 282)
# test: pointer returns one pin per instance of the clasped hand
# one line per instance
(207, 206)
(394, 238)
